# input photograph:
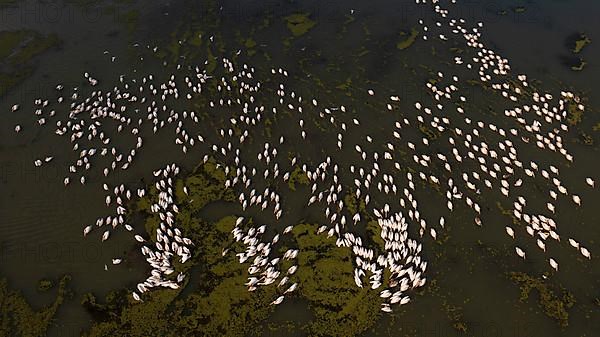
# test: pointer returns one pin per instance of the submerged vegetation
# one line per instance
(17, 317)
(553, 305)
(300, 23)
(220, 304)
(580, 42)
(409, 39)
(214, 300)
(17, 51)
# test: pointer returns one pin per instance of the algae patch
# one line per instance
(18, 318)
(409, 39)
(299, 23)
(553, 305)
(580, 43)
(17, 51)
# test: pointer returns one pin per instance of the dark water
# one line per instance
(41, 221)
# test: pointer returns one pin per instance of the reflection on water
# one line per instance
(335, 52)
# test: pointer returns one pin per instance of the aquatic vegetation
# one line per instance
(297, 176)
(250, 44)
(587, 139)
(408, 40)
(45, 285)
(19, 47)
(17, 317)
(574, 115)
(221, 305)
(325, 275)
(17, 51)
(299, 23)
(581, 42)
(579, 66)
(130, 18)
(249, 126)
(554, 306)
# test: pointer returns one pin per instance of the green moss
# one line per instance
(553, 305)
(408, 40)
(299, 23)
(18, 318)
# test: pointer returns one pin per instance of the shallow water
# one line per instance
(41, 221)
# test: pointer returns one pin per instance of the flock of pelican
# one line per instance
(470, 159)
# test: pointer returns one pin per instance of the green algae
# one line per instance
(374, 230)
(19, 47)
(581, 42)
(130, 19)
(428, 132)
(409, 39)
(297, 176)
(553, 305)
(586, 139)
(45, 285)
(17, 51)
(299, 23)
(8, 3)
(351, 203)
(346, 85)
(220, 304)
(11, 40)
(9, 80)
(579, 66)
(250, 44)
(196, 39)
(212, 61)
(325, 275)
(17, 317)
(574, 114)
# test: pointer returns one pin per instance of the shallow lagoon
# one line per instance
(472, 268)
